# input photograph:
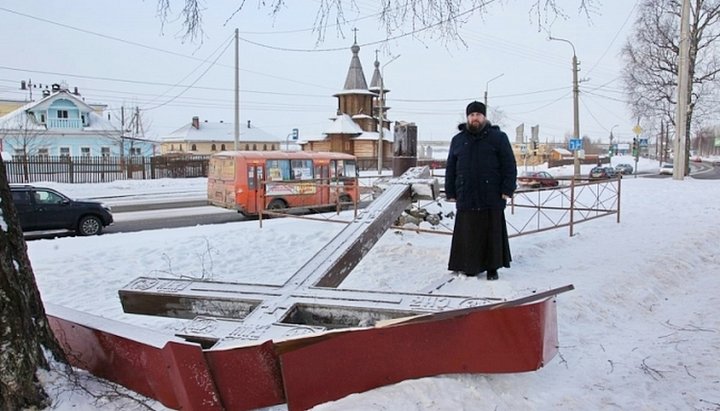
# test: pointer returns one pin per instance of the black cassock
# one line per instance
(480, 241)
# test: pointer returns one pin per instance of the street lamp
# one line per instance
(486, 86)
(382, 112)
(576, 112)
(610, 148)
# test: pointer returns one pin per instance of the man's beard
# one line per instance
(474, 127)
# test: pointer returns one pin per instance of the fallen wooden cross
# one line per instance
(307, 341)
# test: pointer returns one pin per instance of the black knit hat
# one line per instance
(475, 107)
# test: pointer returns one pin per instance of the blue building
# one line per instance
(62, 124)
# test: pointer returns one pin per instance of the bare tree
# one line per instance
(26, 138)
(440, 17)
(25, 335)
(24, 135)
(651, 56)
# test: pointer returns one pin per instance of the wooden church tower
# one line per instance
(355, 128)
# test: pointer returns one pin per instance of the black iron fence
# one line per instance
(86, 169)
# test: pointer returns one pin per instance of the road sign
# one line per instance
(643, 142)
(637, 129)
(575, 144)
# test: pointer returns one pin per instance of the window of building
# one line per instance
(212, 148)
(254, 147)
(264, 147)
(134, 151)
(247, 147)
(64, 151)
(222, 147)
(193, 147)
(172, 147)
(181, 147)
(105, 151)
(62, 114)
(85, 151)
(42, 118)
(20, 152)
(43, 152)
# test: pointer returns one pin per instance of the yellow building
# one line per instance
(205, 138)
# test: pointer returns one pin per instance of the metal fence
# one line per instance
(86, 169)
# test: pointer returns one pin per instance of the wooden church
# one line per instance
(356, 127)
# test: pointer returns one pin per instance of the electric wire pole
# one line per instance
(679, 162)
(237, 90)
(576, 104)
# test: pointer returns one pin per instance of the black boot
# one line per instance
(492, 275)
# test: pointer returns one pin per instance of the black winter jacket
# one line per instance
(480, 168)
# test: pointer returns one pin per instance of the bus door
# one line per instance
(322, 175)
(256, 189)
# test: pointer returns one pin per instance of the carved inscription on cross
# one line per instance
(231, 314)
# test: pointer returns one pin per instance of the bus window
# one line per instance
(334, 169)
(278, 170)
(302, 169)
(350, 169)
(251, 177)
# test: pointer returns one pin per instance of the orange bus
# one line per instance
(253, 181)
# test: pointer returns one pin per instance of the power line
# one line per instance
(229, 42)
(105, 36)
(386, 40)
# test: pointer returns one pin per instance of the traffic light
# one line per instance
(295, 133)
(610, 151)
(635, 147)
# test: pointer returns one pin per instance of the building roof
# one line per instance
(343, 124)
(377, 81)
(563, 151)
(222, 132)
(374, 135)
(11, 120)
(355, 79)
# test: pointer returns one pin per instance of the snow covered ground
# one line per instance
(640, 331)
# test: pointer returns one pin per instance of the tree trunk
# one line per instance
(25, 332)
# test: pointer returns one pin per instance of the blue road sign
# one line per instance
(575, 144)
(643, 142)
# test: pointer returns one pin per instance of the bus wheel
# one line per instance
(277, 204)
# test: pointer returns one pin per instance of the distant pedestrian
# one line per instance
(480, 177)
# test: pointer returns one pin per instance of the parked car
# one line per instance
(537, 179)
(44, 209)
(624, 168)
(602, 172)
(666, 169)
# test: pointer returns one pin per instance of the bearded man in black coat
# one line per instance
(480, 177)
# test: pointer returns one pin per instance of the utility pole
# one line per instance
(679, 162)
(576, 103)
(382, 114)
(610, 148)
(122, 131)
(237, 90)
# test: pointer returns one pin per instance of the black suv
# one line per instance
(45, 209)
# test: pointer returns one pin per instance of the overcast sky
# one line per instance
(118, 53)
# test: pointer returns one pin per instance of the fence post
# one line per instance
(71, 169)
(572, 204)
